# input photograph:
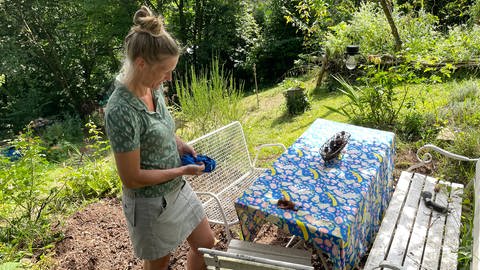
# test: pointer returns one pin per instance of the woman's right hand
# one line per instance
(192, 169)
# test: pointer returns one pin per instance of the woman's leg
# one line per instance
(158, 264)
(202, 236)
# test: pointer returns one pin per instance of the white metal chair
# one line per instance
(234, 172)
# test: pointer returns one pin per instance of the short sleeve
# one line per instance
(123, 129)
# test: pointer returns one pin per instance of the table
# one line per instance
(341, 203)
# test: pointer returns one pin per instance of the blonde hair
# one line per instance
(148, 39)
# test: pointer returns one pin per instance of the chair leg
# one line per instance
(290, 241)
(227, 232)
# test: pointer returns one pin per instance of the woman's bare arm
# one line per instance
(128, 166)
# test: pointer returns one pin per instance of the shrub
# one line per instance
(297, 101)
(412, 126)
(376, 104)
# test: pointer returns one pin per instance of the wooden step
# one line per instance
(276, 253)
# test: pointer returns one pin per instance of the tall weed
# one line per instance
(26, 199)
(95, 175)
(208, 99)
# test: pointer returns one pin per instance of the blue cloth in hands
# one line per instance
(209, 162)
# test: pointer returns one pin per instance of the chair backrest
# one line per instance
(475, 265)
(217, 259)
(228, 147)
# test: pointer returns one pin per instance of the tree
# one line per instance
(212, 28)
(280, 42)
(387, 9)
(58, 56)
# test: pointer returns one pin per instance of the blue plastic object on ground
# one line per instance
(12, 153)
(209, 162)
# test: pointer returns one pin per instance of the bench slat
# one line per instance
(413, 236)
(405, 223)
(271, 252)
(420, 229)
(435, 235)
(452, 232)
(383, 238)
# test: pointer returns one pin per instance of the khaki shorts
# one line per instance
(159, 225)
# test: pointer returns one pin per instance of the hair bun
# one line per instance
(147, 21)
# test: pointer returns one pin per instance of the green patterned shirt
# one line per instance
(131, 126)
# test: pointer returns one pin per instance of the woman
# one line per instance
(159, 205)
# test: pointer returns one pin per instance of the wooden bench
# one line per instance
(242, 255)
(413, 235)
(234, 172)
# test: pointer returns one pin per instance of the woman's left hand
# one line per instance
(184, 148)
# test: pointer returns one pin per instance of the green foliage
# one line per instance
(367, 28)
(297, 101)
(91, 179)
(96, 142)
(208, 99)
(466, 240)
(67, 130)
(377, 104)
(9, 266)
(26, 200)
(279, 44)
(412, 126)
(224, 29)
(32, 196)
(463, 106)
(314, 17)
(58, 56)
(94, 176)
(475, 13)
(432, 52)
(449, 12)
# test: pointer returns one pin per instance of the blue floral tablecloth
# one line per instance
(341, 203)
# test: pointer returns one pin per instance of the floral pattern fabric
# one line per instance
(340, 204)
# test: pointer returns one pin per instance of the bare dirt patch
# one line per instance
(97, 238)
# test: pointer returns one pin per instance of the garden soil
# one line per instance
(96, 238)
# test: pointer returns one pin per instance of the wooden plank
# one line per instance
(476, 222)
(416, 245)
(383, 239)
(452, 230)
(231, 263)
(271, 252)
(435, 234)
(405, 223)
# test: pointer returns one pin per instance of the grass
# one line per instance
(270, 123)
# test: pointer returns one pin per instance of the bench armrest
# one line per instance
(260, 147)
(427, 157)
(220, 207)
